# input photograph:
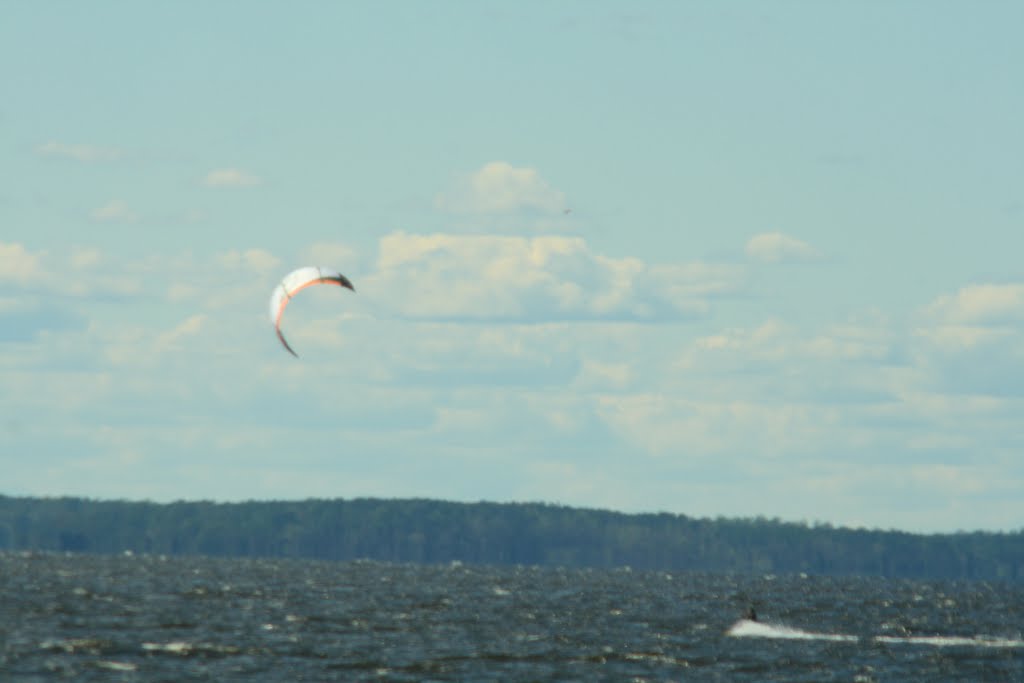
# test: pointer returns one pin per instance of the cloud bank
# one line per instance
(486, 277)
(478, 353)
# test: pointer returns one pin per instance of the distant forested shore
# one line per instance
(433, 531)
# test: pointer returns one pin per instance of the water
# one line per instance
(144, 618)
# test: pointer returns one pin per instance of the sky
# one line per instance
(709, 258)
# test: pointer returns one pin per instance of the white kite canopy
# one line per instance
(292, 283)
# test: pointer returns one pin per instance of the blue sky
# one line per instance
(708, 258)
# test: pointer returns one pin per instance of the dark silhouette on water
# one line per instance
(751, 614)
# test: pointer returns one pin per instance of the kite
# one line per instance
(290, 286)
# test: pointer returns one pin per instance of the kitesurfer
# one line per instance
(751, 614)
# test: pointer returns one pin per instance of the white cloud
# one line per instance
(17, 264)
(972, 341)
(115, 211)
(95, 274)
(258, 260)
(230, 177)
(775, 247)
(671, 424)
(231, 280)
(48, 271)
(85, 257)
(981, 304)
(873, 341)
(775, 340)
(189, 327)
(595, 374)
(544, 278)
(987, 365)
(499, 187)
(770, 339)
(85, 153)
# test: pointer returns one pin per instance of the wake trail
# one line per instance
(745, 628)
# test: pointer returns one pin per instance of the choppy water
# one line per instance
(141, 618)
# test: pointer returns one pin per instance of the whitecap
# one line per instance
(115, 666)
(177, 647)
(745, 628)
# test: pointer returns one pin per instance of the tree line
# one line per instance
(432, 531)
